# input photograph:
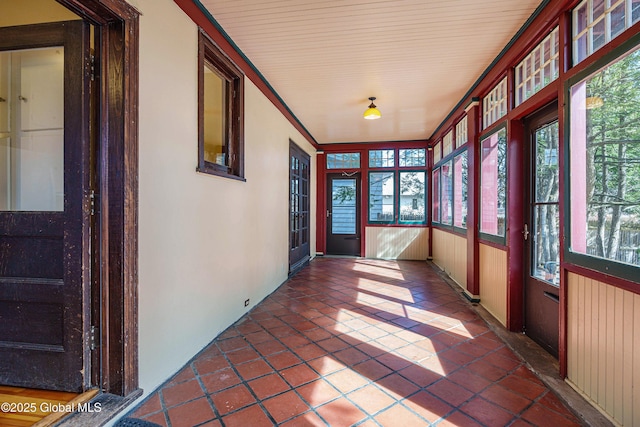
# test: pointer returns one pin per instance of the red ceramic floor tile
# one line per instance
(459, 357)
(150, 406)
(540, 415)
(185, 374)
(397, 386)
(333, 344)
(269, 347)
(182, 392)
(317, 334)
(372, 369)
(268, 386)
(232, 399)
(232, 344)
(486, 370)
(458, 419)
(285, 406)
(469, 380)
(191, 413)
(487, 413)
(350, 356)
(552, 402)
(506, 399)
(299, 375)
(318, 392)
(522, 386)
(310, 352)
(420, 375)
(252, 416)
(283, 360)
(210, 364)
(295, 341)
(400, 416)
(346, 380)
(158, 418)
(371, 399)
(253, 369)
(219, 380)
(309, 419)
(242, 355)
(450, 392)
(326, 365)
(341, 413)
(428, 406)
(258, 337)
(393, 361)
(502, 362)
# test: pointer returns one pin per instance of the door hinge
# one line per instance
(92, 200)
(92, 338)
(92, 61)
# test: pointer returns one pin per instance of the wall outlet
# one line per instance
(246, 302)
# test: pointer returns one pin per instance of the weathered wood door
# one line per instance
(45, 206)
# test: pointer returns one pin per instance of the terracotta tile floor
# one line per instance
(357, 342)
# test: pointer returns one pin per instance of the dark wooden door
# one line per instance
(45, 206)
(299, 174)
(343, 214)
(542, 240)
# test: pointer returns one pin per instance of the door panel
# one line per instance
(542, 233)
(343, 215)
(299, 214)
(44, 215)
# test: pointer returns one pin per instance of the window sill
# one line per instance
(220, 173)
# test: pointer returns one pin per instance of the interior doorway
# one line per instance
(541, 232)
(299, 214)
(343, 214)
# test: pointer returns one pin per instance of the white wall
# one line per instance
(206, 243)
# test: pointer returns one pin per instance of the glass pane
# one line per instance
(381, 196)
(493, 197)
(546, 244)
(546, 179)
(605, 153)
(618, 20)
(343, 206)
(412, 196)
(412, 157)
(446, 196)
(32, 130)
(381, 158)
(215, 140)
(435, 191)
(460, 188)
(343, 161)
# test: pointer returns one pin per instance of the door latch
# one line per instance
(525, 232)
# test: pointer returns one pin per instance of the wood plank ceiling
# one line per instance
(325, 58)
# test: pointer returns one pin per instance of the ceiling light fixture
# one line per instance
(594, 102)
(372, 112)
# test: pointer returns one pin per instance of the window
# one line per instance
(493, 182)
(398, 196)
(381, 197)
(447, 144)
(435, 192)
(494, 105)
(343, 161)
(597, 22)
(446, 194)
(461, 132)
(412, 157)
(220, 113)
(412, 197)
(460, 190)
(604, 200)
(381, 158)
(437, 153)
(539, 68)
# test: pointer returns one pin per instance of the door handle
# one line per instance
(525, 232)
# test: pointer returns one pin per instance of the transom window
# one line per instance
(539, 68)
(412, 157)
(381, 158)
(437, 152)
(447, 144)
(220, 113)
(597, 22)
(494, 105)
(343, 161)
(461, 132)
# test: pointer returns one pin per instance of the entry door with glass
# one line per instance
(541, 233)
(299, 214)
(343, 214)
(44, 206)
